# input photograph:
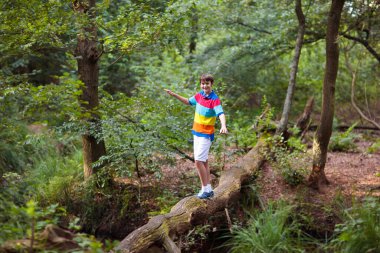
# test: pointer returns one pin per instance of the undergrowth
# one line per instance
(360, 230)
(375, 147)
(343, 141)
(283, 227)
(273, 229)
(289, 159)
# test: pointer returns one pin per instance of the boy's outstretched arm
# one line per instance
(223, 128)
(180, 98)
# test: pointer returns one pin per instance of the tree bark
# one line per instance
(293, 71)
(194, 29)
(87, 56)
(323, 134)
(192, 211)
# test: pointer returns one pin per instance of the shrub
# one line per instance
(292, 165)
(13, 150)
(22, 221)
(272, 230)
(360, 231)
(375, 147)
(343, 141)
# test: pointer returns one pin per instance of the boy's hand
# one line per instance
(171, 93)
(180, 98)
(223, 130)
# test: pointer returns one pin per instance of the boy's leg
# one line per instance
(208, 186)
(202, 172)
(201, 150)
(208, 178)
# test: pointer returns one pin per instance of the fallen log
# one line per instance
(191, 211)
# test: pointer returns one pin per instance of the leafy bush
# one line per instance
(295, 142)
(271, 230)
(242, 135)
(28, 220)
(137, 137)
(195, 237)
(375, 147)
(50, 172)
(21, 221)
(292, 165)
(360, 231)
(165, 202)
(343, 141)
(13, 149)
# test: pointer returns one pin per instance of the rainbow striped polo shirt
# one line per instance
(207, 108)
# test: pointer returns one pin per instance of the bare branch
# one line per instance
(353, 82)
(365, 44)
(156, 135)
(239, 22)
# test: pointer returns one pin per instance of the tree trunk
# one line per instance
(194, 29)
(294, 68)
(323, 134)
(88, 70)
(192, 211)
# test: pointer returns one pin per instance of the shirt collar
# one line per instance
(209, 96)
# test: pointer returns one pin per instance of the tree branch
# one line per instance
(353, 82)
(143, 128)
(364, 43)
(239, 22)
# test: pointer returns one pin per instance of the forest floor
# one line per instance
(352, 175)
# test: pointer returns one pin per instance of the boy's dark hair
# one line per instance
(206, 78)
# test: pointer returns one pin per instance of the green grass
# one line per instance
(272, 230)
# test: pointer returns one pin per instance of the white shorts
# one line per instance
(201, 148)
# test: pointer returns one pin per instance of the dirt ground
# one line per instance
(350, 174)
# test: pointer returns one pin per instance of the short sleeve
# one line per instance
(218, 110)
(192, 101)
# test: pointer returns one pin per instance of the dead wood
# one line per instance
(191, 211)
(303, 121)
(52, 238)
(345, 127)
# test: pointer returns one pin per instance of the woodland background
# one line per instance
(79, 74)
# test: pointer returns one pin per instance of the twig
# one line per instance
(118, 58)
(32, 236)
(353, 82)
(228, 220)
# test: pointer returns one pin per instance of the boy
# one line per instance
(207, 108)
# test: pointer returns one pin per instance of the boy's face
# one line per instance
(206, 86)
